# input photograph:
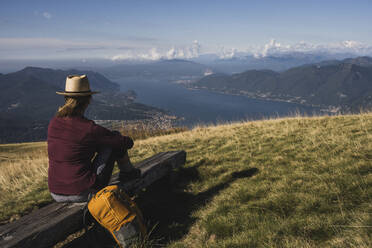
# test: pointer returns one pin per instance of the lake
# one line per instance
(203, 106)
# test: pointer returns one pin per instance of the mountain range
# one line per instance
(174, 69)
(169, 69)
(158, 70)
(343, 85)
(28, 101)
(275, 63)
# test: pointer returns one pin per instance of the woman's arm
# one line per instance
(104, 137)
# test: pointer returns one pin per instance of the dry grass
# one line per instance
(313, 187)
(20, 171)
(141, 131)
(24, 171)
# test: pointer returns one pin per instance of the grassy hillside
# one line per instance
(296, 182)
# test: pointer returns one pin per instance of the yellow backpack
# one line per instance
(114, 210)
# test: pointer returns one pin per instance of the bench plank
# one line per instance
(49, 225)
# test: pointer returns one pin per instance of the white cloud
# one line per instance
(152, 54)
(56, 48)
(171, 53)
(272, 48)
(130, 50)
(186, 52)
(275, 48)
(195, 49)
(227, 53)
(47, 15)
(32, 43)
(352, 44)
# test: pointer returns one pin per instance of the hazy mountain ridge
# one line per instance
(345, 85)
(276, 63)
(58, 77)
(164, 67)
(158, 70)
(34, 88)
(28, 101)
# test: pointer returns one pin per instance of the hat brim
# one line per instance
(77, 93)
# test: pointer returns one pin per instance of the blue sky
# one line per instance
(84, 29)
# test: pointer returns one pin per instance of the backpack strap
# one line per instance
(87, 217)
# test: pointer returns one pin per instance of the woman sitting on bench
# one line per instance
(81, 153)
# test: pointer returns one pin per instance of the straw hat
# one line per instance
(77, 85)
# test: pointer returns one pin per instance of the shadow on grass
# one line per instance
(168, 207)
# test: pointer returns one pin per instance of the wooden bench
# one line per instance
(53, 223)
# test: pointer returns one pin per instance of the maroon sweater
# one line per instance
(72, 143)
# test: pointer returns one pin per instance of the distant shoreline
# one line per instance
(252, 95)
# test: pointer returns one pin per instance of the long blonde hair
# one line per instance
(74, 106)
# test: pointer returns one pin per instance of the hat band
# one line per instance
(86, 91)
